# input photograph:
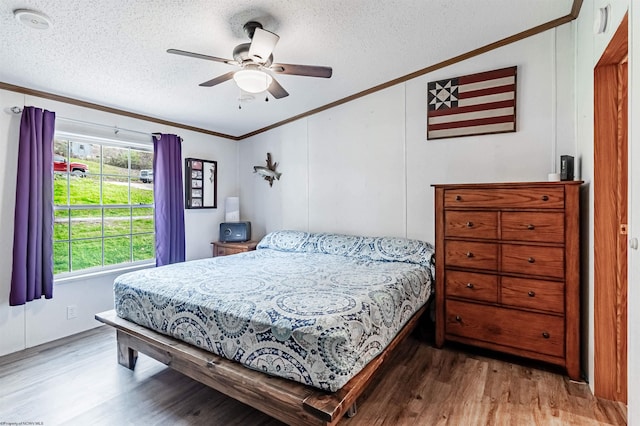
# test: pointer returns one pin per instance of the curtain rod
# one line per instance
(116, 129)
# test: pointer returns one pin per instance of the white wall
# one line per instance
(365, 167)
(45, 320)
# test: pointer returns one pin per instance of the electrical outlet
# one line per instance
(72, 312)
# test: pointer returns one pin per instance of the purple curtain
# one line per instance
(32, 273)
(168, 198)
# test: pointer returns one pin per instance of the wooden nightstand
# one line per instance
(225, 249)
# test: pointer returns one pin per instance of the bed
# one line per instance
(295, 328)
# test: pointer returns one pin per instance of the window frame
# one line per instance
(71, 275)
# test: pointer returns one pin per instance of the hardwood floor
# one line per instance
(77, 381)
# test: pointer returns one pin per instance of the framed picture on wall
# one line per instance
(201, 183)
(476, 104)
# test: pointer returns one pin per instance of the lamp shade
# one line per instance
(252, 81)
(232, 209)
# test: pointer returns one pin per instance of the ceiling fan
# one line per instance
(255, 59)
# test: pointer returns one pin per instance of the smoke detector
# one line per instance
(33, 19)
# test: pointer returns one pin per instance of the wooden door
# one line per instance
(610, 218)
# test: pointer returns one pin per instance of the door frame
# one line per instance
(610, 214)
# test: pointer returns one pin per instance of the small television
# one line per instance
(235, 232)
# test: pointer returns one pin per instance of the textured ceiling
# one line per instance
(113, 52)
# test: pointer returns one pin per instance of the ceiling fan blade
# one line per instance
(220, 79)
(276, 90)
(262, 45)
(201, 56)
(304, 70)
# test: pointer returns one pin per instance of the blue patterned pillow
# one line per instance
(391, 249)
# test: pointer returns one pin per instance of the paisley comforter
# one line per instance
(314, 308)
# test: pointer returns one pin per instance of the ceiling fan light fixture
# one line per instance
(252, 81)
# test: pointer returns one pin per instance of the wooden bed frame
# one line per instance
(288, 401)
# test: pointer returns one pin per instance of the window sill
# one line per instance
(70, 277)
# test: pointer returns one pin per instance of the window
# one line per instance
(103, 208)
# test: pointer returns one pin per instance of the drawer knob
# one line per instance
(458, 318)
(531, 227)
(545, 198)
(458, 198)
(469, 254)
(531, 260)
(545, 334)
(469, 285)
(532, 293)
(469, 224)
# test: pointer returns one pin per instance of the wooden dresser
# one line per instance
(225, 249)
(507, 269)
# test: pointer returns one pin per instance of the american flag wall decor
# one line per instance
(474, 104)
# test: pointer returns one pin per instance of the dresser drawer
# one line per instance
(469, 254)
(539, 198)
(472, 286)
(471, 224)
(533, 294)
(508, 327)
(533, 260)
(532, 226)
